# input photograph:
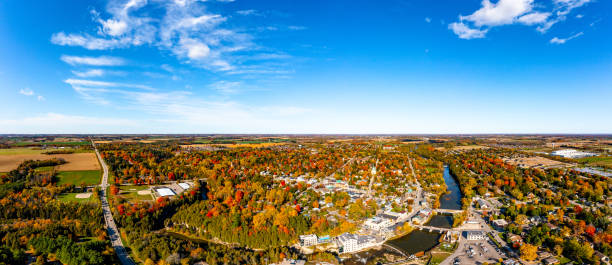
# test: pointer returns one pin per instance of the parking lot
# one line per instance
(477, 252)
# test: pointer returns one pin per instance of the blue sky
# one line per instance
(187, 66)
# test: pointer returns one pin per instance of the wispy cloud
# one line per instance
(226, 87)
(249, 12)
(26, 91)
(557, 40)
(83, 82)
(508, 12)
(89, 73)
(428, 20)
(93, 61)
(29, 92)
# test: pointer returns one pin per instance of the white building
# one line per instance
(352, 243)
(165, 192)
(475, 235)
(571, 153)
(377, 223)
(308, 240)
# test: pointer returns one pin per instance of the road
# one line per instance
(111, 227)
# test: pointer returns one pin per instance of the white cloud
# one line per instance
(26, 91)
(89, 73)
(95, 61)
(226, 87)
(428, 20)
(501, 13)
(93, 83)
(296, 28)
(186, 28)
(557, 40)
(249, 12)
(29, 92)
(579, 16)
(534, 18)
(466, 32)
(509, 12)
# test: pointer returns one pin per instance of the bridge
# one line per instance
(435, 229)
(451, 211)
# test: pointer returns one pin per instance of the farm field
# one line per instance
(597, 161)
(89, 177)
(251, 145)
(535, 161)
(11, 158)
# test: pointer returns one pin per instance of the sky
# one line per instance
(310, 66)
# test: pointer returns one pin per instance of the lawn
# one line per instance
(89, 177)
(438, 257)
(130, 192)
(71, 197)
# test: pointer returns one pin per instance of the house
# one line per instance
(550, 261)
(499, 223)
(308, 240)
(290, 262)
(475, 235)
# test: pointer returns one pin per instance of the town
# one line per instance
(319, 199)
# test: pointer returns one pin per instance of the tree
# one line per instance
(528, 252)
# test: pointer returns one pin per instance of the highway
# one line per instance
(111, 227)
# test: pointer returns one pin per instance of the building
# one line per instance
(550, 261)
(499, 223)
(377, 223)
(571, 153)
(290, 262)
(308, 240)
(475, 235)
(352, 243)
(165, 192)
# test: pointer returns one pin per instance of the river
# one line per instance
(418, 240)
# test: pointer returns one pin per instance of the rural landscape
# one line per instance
(301, 132)
(308, 199)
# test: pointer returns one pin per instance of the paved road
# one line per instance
(113, 232)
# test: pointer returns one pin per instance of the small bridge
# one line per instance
(451, 211)
(435, 229)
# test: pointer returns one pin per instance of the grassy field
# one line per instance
(50, 143)
(21, 151)
(90, 177)
(71, 197)
(130, 192)
(597, 161)
(438, 257)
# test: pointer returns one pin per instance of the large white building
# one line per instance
(377, 223)
(308, 240)
(571, 153)
(351, 243)
(475, 235)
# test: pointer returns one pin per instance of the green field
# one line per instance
(90, 177)
(597, 161)
(130, 192)
(50, 143)
(20, 151)
(71, 197)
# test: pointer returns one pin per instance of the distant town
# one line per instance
(223, 199)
